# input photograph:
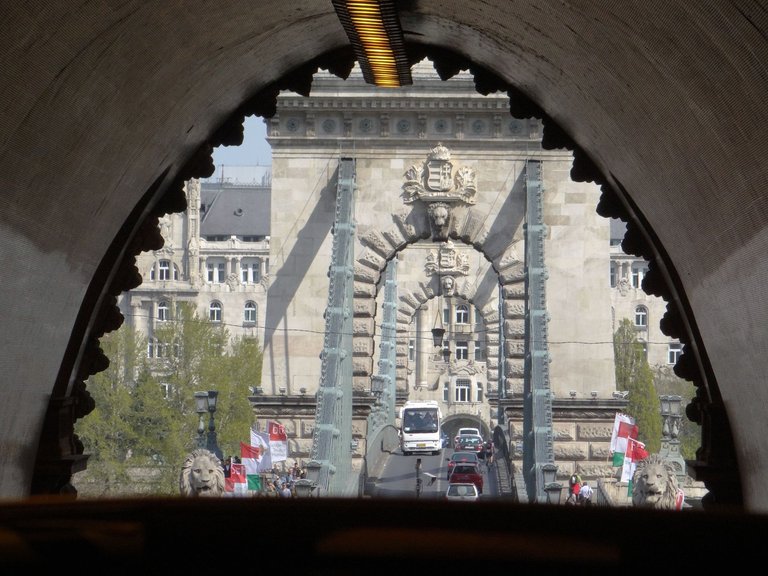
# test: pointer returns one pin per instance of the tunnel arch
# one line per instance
(117, 271)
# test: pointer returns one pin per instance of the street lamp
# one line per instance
(552, 488)
(206, 402)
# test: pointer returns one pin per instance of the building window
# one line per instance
(462, 350)
(166, 389)
(614, 274)
(151, 343)
(446, 316)
(446, 391)
(249, 314)
(479, 392)
(411, 350)
(641, 316)
(250, 270)
(638, 272)
(215, 272)
(674, 352)
(463, 390)
(214, 312)
(164, 270)
(479, 351)
(162, 311)
(445, 352)
(152, 272)
(462, 314)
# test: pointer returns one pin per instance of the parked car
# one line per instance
(470, 443)
(462, 491)
(460, 458)
(466, 473)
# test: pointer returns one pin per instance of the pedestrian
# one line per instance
(285, 490)
(585, 494)
(574, 486)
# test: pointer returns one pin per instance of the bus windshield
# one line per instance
(418, 420)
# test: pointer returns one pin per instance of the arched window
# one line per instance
(250, 313)
(641, 316)
(462, 314)
(162, 311)
(214, 312)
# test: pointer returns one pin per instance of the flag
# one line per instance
(252, 458)
(261, 440)
(278, 442)
(635, 452)
(624, 427)
(237, 483)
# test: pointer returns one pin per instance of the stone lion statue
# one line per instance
(202, 474)
(654, 484)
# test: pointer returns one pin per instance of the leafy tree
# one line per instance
(107, 433)
(635, 375)
(145, 415)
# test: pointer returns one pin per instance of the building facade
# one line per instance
(262, 269)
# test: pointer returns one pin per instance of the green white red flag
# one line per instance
(635, 452)
(251, 458)
(624, 429)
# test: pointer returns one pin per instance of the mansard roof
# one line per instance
(234, 210)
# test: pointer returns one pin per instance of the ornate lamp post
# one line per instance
(206, 402)
(552, 488)
(671, 414)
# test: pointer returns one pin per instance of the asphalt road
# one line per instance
(398, 479)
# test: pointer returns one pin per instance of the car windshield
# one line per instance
(465, 469)
(464, 457)
(471, 441)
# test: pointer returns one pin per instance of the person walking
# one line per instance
(585, 494)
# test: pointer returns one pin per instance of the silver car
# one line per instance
(461, 491)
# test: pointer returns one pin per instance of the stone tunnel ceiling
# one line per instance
(101, 101)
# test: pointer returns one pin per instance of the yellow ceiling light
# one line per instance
(374, 30)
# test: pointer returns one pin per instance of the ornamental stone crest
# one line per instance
(435, 183)
(447, 260)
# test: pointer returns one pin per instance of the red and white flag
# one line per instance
(635, 452)
(278, 441)
(237, 483)
(624, 428)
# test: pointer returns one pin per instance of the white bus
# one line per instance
(420, 424)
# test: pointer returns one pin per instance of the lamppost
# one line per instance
(671, 416)
(552, 488)
(206, 402)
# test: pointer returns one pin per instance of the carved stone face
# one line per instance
(202, 476)
(654, 486)
(440, 216)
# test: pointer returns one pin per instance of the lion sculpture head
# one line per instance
(202, 475)
(654, 484)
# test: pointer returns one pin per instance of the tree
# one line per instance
(107, 433)
(635, 375)
(145, 415)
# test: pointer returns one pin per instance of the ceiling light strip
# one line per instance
(374, 30)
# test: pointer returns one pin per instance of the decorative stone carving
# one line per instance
(434, 183)
(654, 484)
(447, 260)
(201, 474)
